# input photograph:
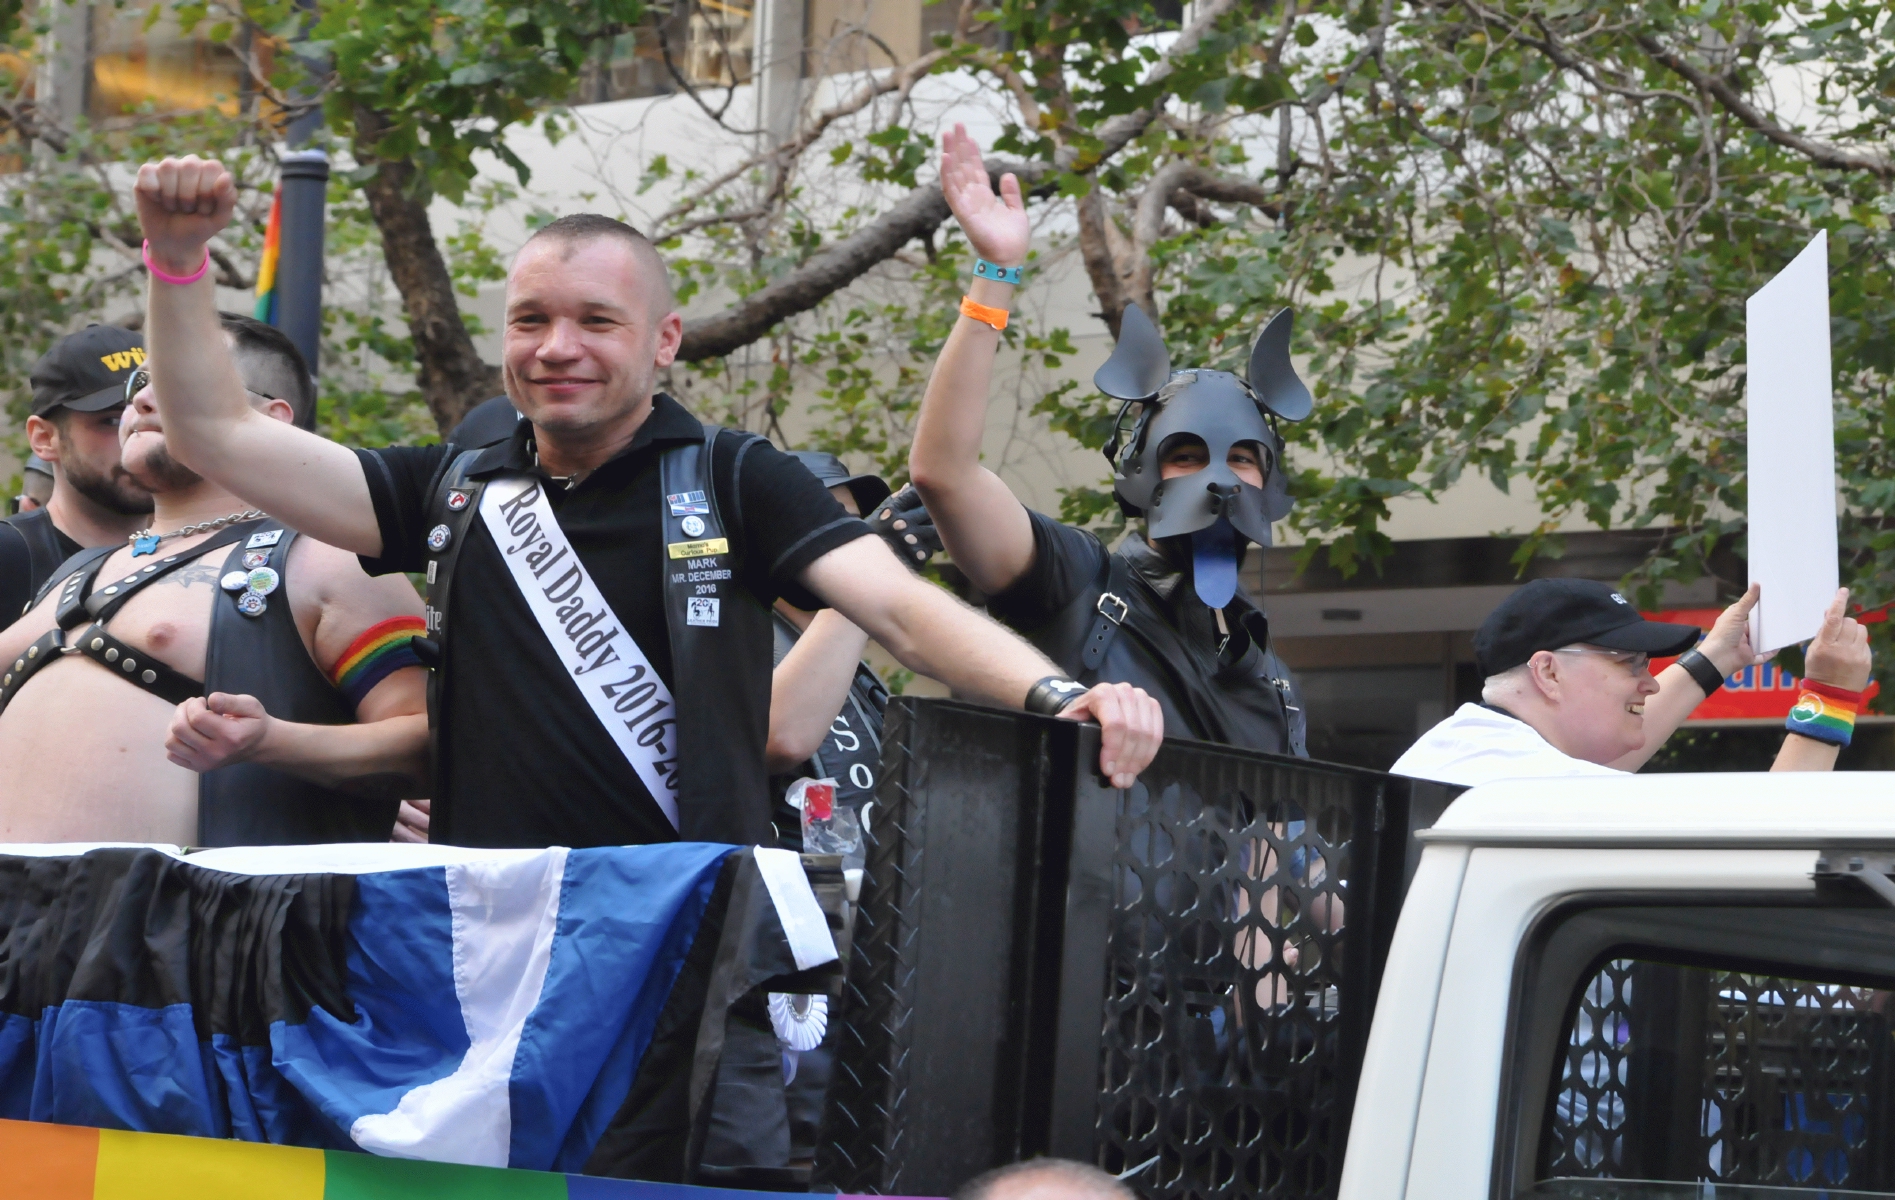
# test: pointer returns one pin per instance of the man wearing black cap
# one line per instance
(1569, 688)
(78, 393)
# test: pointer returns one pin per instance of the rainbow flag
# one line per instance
(66, 1162)
(266, 270)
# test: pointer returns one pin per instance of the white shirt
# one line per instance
(1479, 745)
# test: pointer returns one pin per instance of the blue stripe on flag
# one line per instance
(121, 1066)
(16, 1067)
(408, 1029)
(627, 918)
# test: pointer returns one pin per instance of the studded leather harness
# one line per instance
(80, 604)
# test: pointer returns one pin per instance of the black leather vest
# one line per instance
(246, 804)
(43, 552)
(720, 673)
(1120, 630)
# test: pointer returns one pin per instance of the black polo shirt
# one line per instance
(526, 761)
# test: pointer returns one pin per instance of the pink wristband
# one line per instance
(177, 280)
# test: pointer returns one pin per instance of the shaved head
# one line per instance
(573, 233)
(1045, 1179)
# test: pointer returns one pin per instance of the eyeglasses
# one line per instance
(1639, 662)
(140, 379)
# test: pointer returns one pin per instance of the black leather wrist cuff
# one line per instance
(1053, 695)
(1703, 670)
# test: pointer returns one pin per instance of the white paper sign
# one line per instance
(1792, 453)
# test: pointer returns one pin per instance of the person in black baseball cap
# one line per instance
(78, 393)
(1569, 690)
(1549, 614)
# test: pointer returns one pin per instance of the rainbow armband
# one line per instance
(382, 650)
(1825, 713)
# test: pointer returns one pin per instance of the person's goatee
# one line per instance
(162, 473)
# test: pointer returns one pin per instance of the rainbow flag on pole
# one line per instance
(266, 270)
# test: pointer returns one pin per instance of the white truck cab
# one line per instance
(1676, 979)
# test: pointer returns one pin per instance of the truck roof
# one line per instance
(1789, 809)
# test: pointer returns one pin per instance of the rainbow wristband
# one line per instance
(1825, 713)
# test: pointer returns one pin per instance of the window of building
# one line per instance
(162, 67)
(710, 43)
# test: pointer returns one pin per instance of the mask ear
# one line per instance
(1139, 364)
(1272, 376)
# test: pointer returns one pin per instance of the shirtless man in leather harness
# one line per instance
(128, 636)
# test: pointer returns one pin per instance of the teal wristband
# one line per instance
(986, 270)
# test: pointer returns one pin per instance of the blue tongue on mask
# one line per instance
(1214, 563)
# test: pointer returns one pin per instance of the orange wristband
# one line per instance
(985, 314)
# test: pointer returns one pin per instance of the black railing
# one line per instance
(1173, 981)
(1702, 1075)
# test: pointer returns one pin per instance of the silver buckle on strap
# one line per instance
(1125, 610)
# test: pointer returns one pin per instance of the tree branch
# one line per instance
(894, 81)
(1119, 130)
(1148, 225)
(449, 370)
(1102, 265)
(1823, 154)
(1173, 180)
(916, 215)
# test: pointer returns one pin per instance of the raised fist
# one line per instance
(182, 204)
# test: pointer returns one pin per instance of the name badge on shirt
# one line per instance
(703, 549)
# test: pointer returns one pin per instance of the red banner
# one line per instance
(1754, 693)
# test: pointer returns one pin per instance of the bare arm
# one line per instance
(809, 686)
(385, 753)
(932, 633)
(982, 525)
(1839, 656)
(1728, 648)
(298, 477)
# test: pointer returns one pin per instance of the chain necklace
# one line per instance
(566, 482)
(146, 542)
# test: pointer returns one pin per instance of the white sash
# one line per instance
(607, 666)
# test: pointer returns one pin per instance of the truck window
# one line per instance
(1703, 1056)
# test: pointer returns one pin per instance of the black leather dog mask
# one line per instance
(1215, 407)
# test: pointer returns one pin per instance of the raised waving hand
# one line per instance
(995, 222)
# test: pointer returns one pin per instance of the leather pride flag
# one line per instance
(554, 1010)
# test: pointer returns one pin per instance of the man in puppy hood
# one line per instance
(1213, 511)
(1163, 611)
